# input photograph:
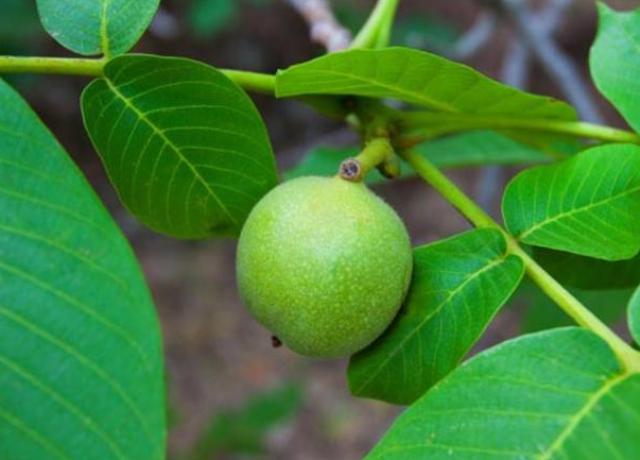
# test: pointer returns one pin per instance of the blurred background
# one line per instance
(231, 394)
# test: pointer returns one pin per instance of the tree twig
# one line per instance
(475, 38)
(535, 32)
(323, 26)
(515, 72)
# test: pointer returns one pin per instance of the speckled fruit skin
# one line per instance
(324, 264)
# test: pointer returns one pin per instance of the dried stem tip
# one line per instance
(351, 170)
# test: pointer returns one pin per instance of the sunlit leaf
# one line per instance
(417, 77)
(587, 205)
(615, 61)
(557, 394)
(81, 372)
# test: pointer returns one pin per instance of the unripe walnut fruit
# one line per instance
(324, 264)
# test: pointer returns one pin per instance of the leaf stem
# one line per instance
(376, 32)
(251, 81)
(450, 122)
(52, 65)
(556, 292)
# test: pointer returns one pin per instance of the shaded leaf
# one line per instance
(615, 61)
(97, 26)
(243, 430)
(417, 77)
(557, 394)
(542, 313)
(209, 17)
(587, 205)
(185, 147)
(19, 25)
(556, 145)
(81, 366)
(479, 148)
(588, 273)
(458, 286)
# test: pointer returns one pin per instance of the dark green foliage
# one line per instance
(243, 430)
(183, 145)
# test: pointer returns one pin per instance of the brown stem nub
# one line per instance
(351, 170)
(275, 342)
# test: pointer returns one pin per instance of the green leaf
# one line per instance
(243, 430)
(587, 205)
(19, 25)
(634, 316)
(542, 313)
(458, 286)
(555, 145)
(184, 146)
(92, 27)
(615, 61)
(479, 148)
(81, 368)
(557, 394)
(416, 77)
(474, 148)
(587, 273)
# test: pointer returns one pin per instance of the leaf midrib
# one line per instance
(173, 147)
(588, 207)
(414, 95)
(422, 323)
(580, 415)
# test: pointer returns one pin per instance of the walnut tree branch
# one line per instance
(323, 25)
(538, 36)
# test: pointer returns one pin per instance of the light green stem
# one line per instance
(450, 122)
(51, 65)
(556, 292)
(376, 32)
(251, 81)
(375, 152)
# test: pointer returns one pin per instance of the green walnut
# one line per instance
(324, 264)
